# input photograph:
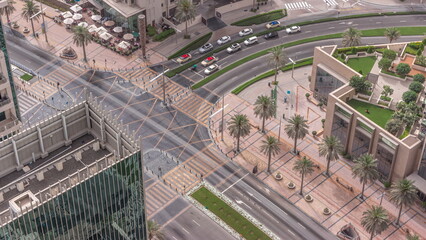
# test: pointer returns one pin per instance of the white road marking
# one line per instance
(381, 22)
(291, 232)
(284, 212)
(219, 110)
(185, 230)
(241, 202)
(301, 225)
(267, 191)
(331, 27)
(270, 216)
(174, 237)
(251, 195)
(195, 222)
(308, 31)
(235, 183)
(355, 24)
(403, 21)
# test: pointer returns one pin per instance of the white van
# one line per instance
(250, 41)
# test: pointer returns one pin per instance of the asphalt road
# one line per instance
(272, 210)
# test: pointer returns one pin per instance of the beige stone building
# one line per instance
(397, 158)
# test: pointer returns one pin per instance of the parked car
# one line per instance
(205, 48)
(250, 41)
(233, 48)
(223, 40)
(184, 58)
(208, 61)
(270, 35)
(210, 69)
(273, 24)
(245, 32)
(293, 29)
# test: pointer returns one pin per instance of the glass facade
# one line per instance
(362, 139)
(130, 22)
(109, 205)
(325, 84)
(385, 154)
(9, 70)
(422, 168)
(340, 125)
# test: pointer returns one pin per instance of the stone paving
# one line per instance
(334, 192)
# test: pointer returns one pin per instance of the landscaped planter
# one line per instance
(364, 97)
(359, 55)
(278, 176)
(326, 211)
(308, 198)
(384, 102)
(291, 185)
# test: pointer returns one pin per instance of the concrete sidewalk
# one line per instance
(338, 193)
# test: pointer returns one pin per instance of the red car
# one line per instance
(184, 58)
(209, 61)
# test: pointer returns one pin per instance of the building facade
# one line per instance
(77, 175)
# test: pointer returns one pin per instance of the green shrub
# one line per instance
(387, 184)
(385, 98)
(385, 63)
(343, 56)
(150, 30)
(415, 45)
(409, 96)
(424, 41)
(360, 84)
(403, 69)
(387, 53)
(163, 35)
(27, 77)
(419, 78)
(314, 133)
(416, 87)
(380, 50)
(370, 49)
(262, 18)
(419, 52)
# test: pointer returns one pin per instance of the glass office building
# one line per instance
(108, 205)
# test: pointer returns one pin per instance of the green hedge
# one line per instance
(192, 46)
(261, 18)
(151, 31)
(301, 63)
(164, 34)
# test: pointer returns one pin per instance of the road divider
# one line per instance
(261, 18)
(197, 43)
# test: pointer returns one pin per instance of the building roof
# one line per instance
(419, 182)
(123, 8)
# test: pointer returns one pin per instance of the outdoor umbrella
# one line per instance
(105, 36)
(92, 28)
(109, 23)
(101, 30)
(77, 16)
(117, 29)
(123, 45)
(135, 34)
(128, 36)
(66, 14)
(96, 17)
(76, 8)
(68, 21)
(83, 24)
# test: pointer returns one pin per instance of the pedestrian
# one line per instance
(269, 84)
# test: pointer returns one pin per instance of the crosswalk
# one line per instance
(26, 103)
(158, 196)
(144, 74)
(196, 107)
(331, 3)
(297, 5)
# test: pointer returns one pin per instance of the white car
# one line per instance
(250, 41)
(273, 24)
(293, 29)
(233, 48)
(245, 32)
(210, 69)
(223, 40)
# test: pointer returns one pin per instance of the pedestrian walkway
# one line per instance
(181, 178)
(331, 3)
(158, 196)
(141, 74)
(26, 102)
(297, 6)
(196, 107)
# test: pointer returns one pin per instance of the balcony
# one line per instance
(9, 125)
(4, 101)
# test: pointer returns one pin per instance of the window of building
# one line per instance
(385, 154)
(325, 84)
(340, 128)
(2, 116)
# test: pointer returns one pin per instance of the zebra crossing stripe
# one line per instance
(298, 5)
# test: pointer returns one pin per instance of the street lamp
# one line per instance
(292, 69)
(43, 25)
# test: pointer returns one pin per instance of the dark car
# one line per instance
(270, 35)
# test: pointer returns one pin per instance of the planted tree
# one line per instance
(360, 84)
(365, 168)
(154, 231)
(303, 166)
(385, 63)
(28, 11)
(416, 87)
(421, 60)
(270, 147)
(412, 237)
(375, 220)
(81, 38)
(185, 12)
(409, 96)
(387, 91)
(8, 10)
(403, 193)
(392, 34)
(419, 78)
(277, 59)
(390, 54)
(403, 69)
(239, 126)
(296, 129)
(330, 147)
(265, 108)
(351, 37)
(393, 126)
(407, 113)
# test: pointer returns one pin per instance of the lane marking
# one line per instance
(196, 222)
(403, 21)
(219, 110)
(311, 31)
(291, 232)
(235, 182)
(185, 230)
(174, 237)
(301, 225)
(331, 27)
(381, 22)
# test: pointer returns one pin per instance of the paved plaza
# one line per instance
(327, 192)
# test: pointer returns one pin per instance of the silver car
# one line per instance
(233, 48)
(223, 40)
(245, 32)
(205, 48)
(210, 69)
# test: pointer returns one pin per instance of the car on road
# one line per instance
(223, 40)
(184, 58)
(208, 61)
(273, 24)
(250, 41)
(210, 69)
(271, 35)
(245, 32)
(293, 29)
(205, 48)
(233, 48)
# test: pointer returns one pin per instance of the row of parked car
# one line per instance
(209, 62)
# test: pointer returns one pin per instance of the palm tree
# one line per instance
(351, 37)
(330, 147)
(8, 10)
(375, 220)
(366, 169)
(392, 34)
(28, 11)
(270, 147)
(82, 38)
(296, 128)
(154, 231)
(403, 193)
(185, 11)
(239, 126)
(277, 59)
(265, 108)
(413, 237)
(303, 166)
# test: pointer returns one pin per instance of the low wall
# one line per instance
(233, 6)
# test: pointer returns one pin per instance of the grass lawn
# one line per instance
(262, 18)
(376, 114)
(27, 77)
(228, 215)
(363, 64)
